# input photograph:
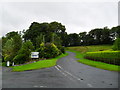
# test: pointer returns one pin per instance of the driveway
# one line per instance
(68, 73)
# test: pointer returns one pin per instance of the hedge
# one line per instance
(111, 57)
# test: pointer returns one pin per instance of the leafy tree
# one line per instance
(17, 42)
(105, 38)
(46, 29)
(73, 39)
(0, 45)
(11, 34)
(4, 40)
(39, 40)
(24, 53)
(82, 37)
(96, 35)
(56, 39)
(116, 45)
(8, 49)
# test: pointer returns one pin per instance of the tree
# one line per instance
(39, 40)
(17, 42)
(46, 29)
(105, 38)
(24, 53)
(96, 35)
(116, 45)
(11, 34)
(74, 39)
(82, 37)
(56, 39)
(0, 45)
(115, 32)
(8, 50)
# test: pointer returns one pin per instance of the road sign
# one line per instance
(34, 54)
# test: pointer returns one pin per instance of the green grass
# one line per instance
(38, 65)
(100, 65)
(104, 56)
(81, 50)
(84, 49)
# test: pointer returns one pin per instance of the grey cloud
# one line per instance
(77, 16)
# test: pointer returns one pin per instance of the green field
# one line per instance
(110, 57)
(82, 50)
(38, 65)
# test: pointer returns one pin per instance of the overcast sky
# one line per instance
(76, 16)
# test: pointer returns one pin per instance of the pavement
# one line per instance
(68, 73)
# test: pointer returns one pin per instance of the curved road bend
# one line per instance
(68, 73)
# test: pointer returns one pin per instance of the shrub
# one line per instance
(19, 59)
(111, 57)
(48, 50)
(116, 45)
(9, 58)
(51, 50)
(61, 48)
(41, 50)
(24, 53)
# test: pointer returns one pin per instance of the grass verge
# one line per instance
(96, 64)
(38, 65)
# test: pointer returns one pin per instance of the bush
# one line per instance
(61, 48)
(9, 58)
(111, 57)
(41, 50)
(51, 50)
(24, 53)
(20, 59)
(48, 50)
(116, 45)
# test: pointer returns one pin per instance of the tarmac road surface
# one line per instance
(68, 73)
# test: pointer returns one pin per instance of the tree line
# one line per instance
(19, 44)
(96, 36)
(56, 32)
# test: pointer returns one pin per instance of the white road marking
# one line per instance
(72, 75)
(35, 86)
(89, 85)
(60, 70)
(43, 86)
(58, 67)
(69, 73)
(39, 86)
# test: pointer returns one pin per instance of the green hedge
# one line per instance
(111, 57)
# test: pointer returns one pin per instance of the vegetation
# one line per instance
(49, 39)
(39, 64)
(97, 36)
(110, 57)
(96, 64)
(100, 65)
(46, 38)
(24, 53)
(48, 50)
(92, 48)
(116, 45)
(46, 32)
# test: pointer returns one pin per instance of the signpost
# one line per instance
(34, 54)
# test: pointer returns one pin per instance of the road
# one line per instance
(68, 73)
